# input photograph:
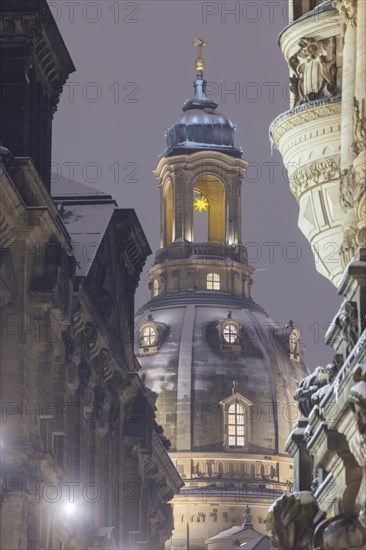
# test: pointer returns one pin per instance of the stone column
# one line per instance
(347, 8)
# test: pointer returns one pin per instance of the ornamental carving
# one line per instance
(301, 115)
(349, 244)
(359, 126)
(319, 171)
(314, 70)
(352, 186)
(348, 11)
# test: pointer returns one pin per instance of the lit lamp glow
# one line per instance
(69, 508)
(201, 204)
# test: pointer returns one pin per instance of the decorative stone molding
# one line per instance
(319, 171)
(359, 126)
(302, 114)
(314, 70)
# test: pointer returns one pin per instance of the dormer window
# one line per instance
(152, 334)
(148, 336)
(230, 332)
(213, 281)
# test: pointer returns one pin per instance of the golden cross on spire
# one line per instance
(200, 42)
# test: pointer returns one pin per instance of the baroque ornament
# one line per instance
(352, 186)
(314, 70)
(319, 171)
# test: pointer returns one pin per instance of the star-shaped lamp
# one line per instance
(201, 204)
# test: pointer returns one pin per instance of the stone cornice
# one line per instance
(196, 161)
(302, 115)
(312, 24)
(32, 23)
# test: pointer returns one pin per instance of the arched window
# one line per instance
(209, 468)
(252, 470)
(242, 470)
(235, 425)
(213, 281)
(231, 469)
(261, 471)
(230, 333)
(155, 288)
(220, 469)
(148, 336)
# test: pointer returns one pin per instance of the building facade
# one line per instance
(223, 373)
(322, 140)
(83, 462)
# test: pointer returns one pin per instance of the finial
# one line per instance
(200, 42)
(235, 385)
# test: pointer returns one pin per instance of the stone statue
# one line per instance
(294, 342)
(348, 320)
(308, 387)
(314, 70)
(312, 388)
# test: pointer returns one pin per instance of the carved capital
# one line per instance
(348, 11)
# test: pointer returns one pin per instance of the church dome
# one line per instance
(201, 127)
(207, 353)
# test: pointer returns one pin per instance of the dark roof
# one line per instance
(204, 297)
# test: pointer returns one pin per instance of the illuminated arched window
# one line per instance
(235, 425)
(230, 333)
(155, 287)
(148, 336)
(213, 281)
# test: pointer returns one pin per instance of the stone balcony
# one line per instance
(214, 251)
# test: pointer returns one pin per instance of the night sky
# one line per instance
(135, 68)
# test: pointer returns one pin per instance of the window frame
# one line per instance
(245, 405)
(150, 327)
(214, 280)
(155, 288)
(230, 325)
